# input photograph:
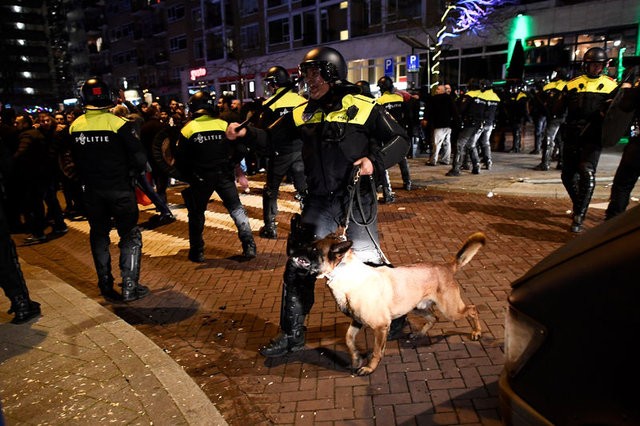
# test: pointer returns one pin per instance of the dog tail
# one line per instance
(469, 249)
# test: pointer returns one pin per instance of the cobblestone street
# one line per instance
(212, 318)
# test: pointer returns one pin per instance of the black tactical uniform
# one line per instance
(11, 279)
(629, 168)
(394, 103)
(284, 153)
(108, 155)
(586, 100)
(555, 112)
(472, 110)
(337, 128)
(206, 158)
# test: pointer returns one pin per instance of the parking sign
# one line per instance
(413, 63)
(388, 67)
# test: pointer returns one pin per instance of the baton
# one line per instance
(286, 90)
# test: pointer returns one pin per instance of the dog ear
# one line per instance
(342, 247)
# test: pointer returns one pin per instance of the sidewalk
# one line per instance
(81, 364)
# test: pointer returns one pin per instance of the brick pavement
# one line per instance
(212, 318)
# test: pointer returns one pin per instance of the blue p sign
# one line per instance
(388, 67)
(413, 65)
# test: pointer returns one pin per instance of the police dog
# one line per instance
(373, 296)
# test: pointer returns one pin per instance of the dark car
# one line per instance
(571, 333)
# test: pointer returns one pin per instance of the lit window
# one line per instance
(29, 90)
(24, 59)
(21, 42)
(26, 74)
(20, 25)
(17, 9)
(344, 35)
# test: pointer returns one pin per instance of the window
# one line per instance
(279, 31)
(198, 49)
(275, 3)
(177, 43)
(175, 13)
(248, 7)
(249, 37)
(196, 18)
(213, 14)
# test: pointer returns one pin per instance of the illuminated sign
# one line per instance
(198, 72)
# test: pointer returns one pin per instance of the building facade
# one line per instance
(169, 48)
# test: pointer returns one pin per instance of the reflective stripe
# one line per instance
(363, 104)
(203, 124)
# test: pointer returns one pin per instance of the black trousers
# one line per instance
(625, 179)
(106, 208)
(11, 279)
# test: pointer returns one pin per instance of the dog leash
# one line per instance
(354, 196)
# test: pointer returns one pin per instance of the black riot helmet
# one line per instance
(365, 88)
(385, 84)
(484, 84)
(202, 103)
(329, 61)
(96, 94)
(277, 76)
(595, 54)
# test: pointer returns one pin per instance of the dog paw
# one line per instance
(364, 371)
(356, 363)
(475, 335)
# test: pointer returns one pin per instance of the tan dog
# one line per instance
(373, 296)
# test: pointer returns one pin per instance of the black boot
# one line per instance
(395, 330)
(105, 284)
(196, 255)
(283, 343)
(249, 250)
(269, 231)
(133, 291)
(576, 225)
(24, 309)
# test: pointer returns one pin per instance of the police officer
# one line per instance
(555, 111)
(586, 100)
(517, 109)
(395, 104)
(108, 155)
(629, 168)
(11, 278)
(472, 109)
(340, 130)
(207, 159)
(492, 101)
(284, 153)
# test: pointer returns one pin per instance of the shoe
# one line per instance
(60, 229)
(133, 291)
(576, 225)
(196, 256)
(249, 250)
(281, 345)
(514, 150)
(465, 167)
(269, 232)
(541, 167)
(388, 199)
(106, 289)
(32, 239)
(444, 163)
(487, 166)
(535, 151)
(430, 164)
(453, 172)
(407, 186)
(162, 219)
(559, 166)
(396, 328)
(475, 171)
(24, 309)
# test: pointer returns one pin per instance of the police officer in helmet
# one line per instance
(586, 99)
(107, 156)
(207, 161)
(285, 156)
(340, 130)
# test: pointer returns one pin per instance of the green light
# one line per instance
(522, 28)
(620, 65)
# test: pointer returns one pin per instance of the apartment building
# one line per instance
(169, 48)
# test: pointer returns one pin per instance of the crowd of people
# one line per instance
(99, 156)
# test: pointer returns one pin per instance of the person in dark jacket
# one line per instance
(11, 278)
(441, 115)
(342, 133)
(285, 155)
(586, 99)
(207, 161)
(108, 156)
